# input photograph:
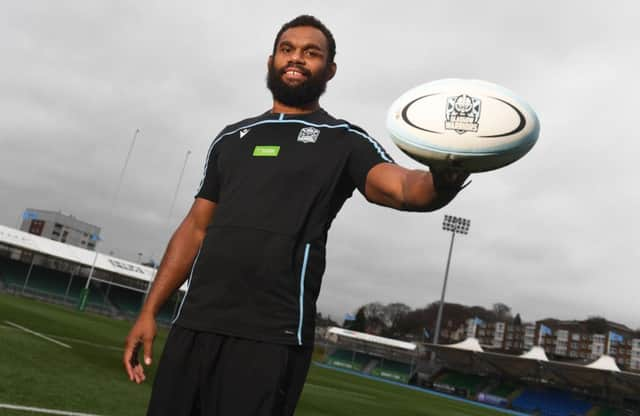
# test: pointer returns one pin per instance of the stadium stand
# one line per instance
(466, 385)
(128, 302)
(349, 359)
(392, 370)
(370, 354)
(604, 411)
(61, 287)
(553, 387)
(13, 272)
(552, 402)
(503, 389)
(46, 282)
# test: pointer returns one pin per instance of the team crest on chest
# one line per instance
(308, 135)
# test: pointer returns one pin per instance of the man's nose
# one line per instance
(297, 56)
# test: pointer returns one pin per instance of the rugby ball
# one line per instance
(475, 124)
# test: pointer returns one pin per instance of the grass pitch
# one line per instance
(89, 378)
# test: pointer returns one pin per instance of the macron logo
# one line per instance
(244, 133)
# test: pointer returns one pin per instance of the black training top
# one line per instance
(278, 180)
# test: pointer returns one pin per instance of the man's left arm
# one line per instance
(413, 190)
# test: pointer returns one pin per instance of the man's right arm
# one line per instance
(180, 254)
(173, 271)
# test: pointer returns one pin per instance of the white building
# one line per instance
(60, 227)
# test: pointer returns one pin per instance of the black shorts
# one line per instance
(202, 373)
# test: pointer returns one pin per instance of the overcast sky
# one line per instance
(554, 235)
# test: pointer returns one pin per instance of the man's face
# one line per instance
(298, 71)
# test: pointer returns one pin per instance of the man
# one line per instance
(253, 243)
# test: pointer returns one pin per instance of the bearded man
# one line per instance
(253, 243)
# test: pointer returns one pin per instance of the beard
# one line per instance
(299, 95)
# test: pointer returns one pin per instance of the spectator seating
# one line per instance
(54, 284)
(503, 389)
(393, 370)
(40, 279)
(348, 359)
(127, 301)
(470, 383)
(550, 402)
(606, 411)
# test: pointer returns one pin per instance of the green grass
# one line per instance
(89, 378)
(328, 392)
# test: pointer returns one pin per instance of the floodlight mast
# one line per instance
(84, 293)
(456, 225)
(173, 203)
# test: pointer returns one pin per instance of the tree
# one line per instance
(502, 311)
(597, 325)
(324, 320)
(517, 321)
(360, 323)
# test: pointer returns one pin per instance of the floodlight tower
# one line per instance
(84, 293)
(456, 225)
(173, 203)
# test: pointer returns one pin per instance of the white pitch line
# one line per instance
(40, 410)
(92, 344)
(37, 334)
(76, 340)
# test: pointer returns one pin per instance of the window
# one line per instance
(36, 227)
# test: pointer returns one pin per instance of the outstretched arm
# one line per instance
(173, 271)
(413, 190)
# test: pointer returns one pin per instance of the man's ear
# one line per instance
(269, 61)
(331, 71)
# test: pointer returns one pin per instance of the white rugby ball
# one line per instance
(476, 124)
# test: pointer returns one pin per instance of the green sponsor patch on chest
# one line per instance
(266, 151)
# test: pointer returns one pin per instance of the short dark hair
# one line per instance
(308, 20)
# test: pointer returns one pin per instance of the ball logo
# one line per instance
(462, 114)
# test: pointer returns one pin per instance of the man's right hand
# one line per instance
(174, 269)
(140, 336)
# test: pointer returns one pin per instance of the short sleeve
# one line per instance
(210, 183)
(365, 153)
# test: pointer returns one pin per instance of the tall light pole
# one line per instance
(455, 225)
(84, 294)
(175, 194)
(173, 203)
(124, 168)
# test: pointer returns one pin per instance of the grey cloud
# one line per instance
(552, 235)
